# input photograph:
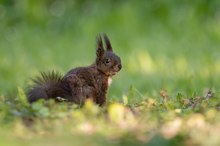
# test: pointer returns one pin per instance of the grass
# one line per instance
(170, 56)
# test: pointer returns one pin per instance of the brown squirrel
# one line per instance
(79, 83)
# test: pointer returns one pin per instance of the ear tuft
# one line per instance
(107, 42)
(100, 49)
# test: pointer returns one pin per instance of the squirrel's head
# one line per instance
(106, 60)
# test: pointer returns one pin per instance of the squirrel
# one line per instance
(79, 83)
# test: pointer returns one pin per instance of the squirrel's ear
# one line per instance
(100, 50)
(107, 42)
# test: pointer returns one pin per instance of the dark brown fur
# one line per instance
(80, 83)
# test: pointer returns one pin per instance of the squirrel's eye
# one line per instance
(107, 61)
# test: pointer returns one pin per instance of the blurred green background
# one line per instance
(163, 44)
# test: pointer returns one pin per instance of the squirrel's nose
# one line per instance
(119, 67)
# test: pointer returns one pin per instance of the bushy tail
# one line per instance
(46, 86)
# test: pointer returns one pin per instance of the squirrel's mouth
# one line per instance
(113, 73)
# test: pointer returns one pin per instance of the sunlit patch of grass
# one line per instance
(144, 62)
